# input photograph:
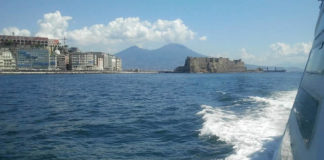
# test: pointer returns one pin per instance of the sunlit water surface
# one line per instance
(144, 116)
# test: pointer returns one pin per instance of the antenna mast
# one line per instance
(64, 39)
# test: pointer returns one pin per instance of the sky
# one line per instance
(261, 32)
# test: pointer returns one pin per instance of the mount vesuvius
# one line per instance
(165, 58)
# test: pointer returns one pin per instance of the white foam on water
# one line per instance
(250, 131)
(221, 92)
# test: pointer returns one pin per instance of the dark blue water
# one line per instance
(128, 116)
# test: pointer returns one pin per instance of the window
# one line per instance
(305, 109)
(314, 63)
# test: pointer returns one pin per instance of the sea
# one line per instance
(232, 116)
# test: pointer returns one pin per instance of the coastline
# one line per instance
(115, 72)
(73, 72)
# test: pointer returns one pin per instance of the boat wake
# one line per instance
(254, 133)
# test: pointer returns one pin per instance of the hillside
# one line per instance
(165, 58)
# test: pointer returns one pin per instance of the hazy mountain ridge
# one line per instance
(167, 57)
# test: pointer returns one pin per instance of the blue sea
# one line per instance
(144, 116)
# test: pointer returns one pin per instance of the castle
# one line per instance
(211, 65)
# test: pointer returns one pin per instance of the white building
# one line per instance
(95, 61)
(7, 59)
(83, 61)
(100, 63)
(112, 63)
(87, 61)
(118, 64)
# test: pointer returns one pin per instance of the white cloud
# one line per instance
(280, 54)
(290, 54)
(246, 56)
(133, 30)
(250, 58)
(284, 49)
(120, 33)
(203, 38)
(53, 25)
(16, 31)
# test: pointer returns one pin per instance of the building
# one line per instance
(28, 41)
(118, 65)
(85, 61)
(7, 59)
(29, 53)
(40, 53)
(94, 61)
(62, 61)
(112, 63)
(108, 62)
(53, 42)
(35, 59)
(62, 58)
(81, 61)
(100, 62)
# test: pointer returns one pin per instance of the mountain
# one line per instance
(165, 58)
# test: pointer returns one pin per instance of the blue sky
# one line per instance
(268, 32)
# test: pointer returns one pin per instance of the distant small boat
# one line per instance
(275, 70)
(280, 70)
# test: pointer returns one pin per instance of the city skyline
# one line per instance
(268, 33)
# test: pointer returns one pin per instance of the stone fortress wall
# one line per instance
(211, 65)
